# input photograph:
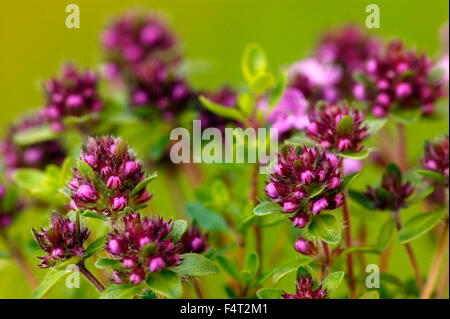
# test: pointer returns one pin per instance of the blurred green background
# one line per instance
(35, 42)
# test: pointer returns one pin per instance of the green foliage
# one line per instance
(166, 283)
(207, 219)
(325, 227)
(332, 282)
(47, 283)
(124, 291)
(178, 229)
(269, 293)
(386, 234)
(195, 265)
(419, 225)
(267, 208)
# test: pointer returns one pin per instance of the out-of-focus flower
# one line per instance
(305, 182)
(193, 241)
(73, 94)
(135, 37)
(8, 211)
(143, 246)
(305, 290)
(290, 113)
(392, 193)
(436, 158)
(349, 48)
(37, 155)
(155, 85)
(61, 241)
(400, 79)
(351, 166)
(305, 247)
(316, 80)
(116, 174)
(226, 96)
(335, 127)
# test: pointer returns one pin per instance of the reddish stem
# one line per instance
(90, 277)
(402, 147)
(348, 243)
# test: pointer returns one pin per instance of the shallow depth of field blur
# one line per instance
(213, 33)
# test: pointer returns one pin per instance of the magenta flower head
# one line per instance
(154, 86)
(305, 247)
(73, 94)
(337, 128)
(10, 207)
(143, 246)
(17, 153)
(305, 290)
(436, 158)
(400, 79)
(392, 193)
(134, 37)
(106, 178)
(225, 96)
(63, 240)
(193, 241)
(305, 181)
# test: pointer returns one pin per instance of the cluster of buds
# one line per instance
(392, 193)
(35, 155)
(401, 79)
(143, 246)
(304, 246)
(116, 173)
(316, 80)
(155, 84)
(7, 213)
(193, 241)
(133, 38)
(63, 240)
(335, 127)
(305, 290)
(436, 158)
(304, 182)
(73, 94)
(226, 96)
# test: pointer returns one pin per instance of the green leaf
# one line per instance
(332, 282)
(35, 135)
(251, 266)
(86, 170)
(166, 283)
(347, 180)
(299, 140)
(325, 227)
(278, 90)
(419, 225)
(71, 261)
(246, 103)
(178, 229)
(29, 178)
(360, 249)
(263, 277)
(386, 234)
(262, 83)
(221, 110)
(230, 267)
(8, 202)
(393, 169)
(125, 291)
(92, 214)
(420, 195)
(219, 194)
(375, 124)
(267, 208)
(47, 283)
(373, 294)
(269, 293)
(357, 155)
(406, 116)
(435, 176)
(345, 125)
(106, 263)
(290, 267)
(244, 225)
(254, 61)
(195, 265)
(361, 199)
(143, 184)
(207, 219)
(96, 246)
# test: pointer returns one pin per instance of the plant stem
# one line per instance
(348, 243)
(89, 276)
(198, 289)
(433, 274)
(253, 196)
(411, 256)
(326, 264)
(440, 294)
(402, 148)
(384, 259)
(20, 259)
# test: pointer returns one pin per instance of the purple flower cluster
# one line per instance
(73, 94)
(62, 240)
(193, 241)
(37, 155)
(305, 290)
(134, 37)
(305, 181)
(331, 130)
(226, 96)
(143, 246)
(436, 158)
(392, 193)
(7, 214)
(401, 79)
(117, 173)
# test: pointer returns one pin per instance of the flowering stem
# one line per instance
(440, 294)
(432, 276)
(198, 289)
(402, 147)
(19, 257)
(384, 259)
(410, 252)
(253, 196)
(348, 243)
(326, 264)
(89, 276)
